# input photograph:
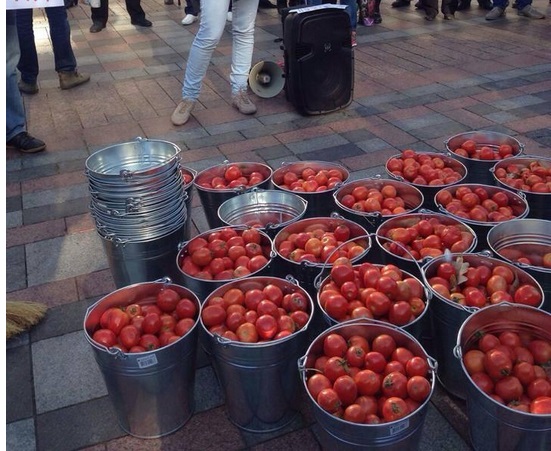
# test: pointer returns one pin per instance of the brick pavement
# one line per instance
(416, 84)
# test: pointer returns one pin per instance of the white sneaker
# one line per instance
(229, 16)
(189, 19)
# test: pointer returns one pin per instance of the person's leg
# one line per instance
(431, 9)
(60, 33)
(99, 16)
(17, 136)
(15, 109)
(136, 12)
(525, 8)
(211, 27)
(28, 60)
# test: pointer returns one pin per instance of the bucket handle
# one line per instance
(457, 352)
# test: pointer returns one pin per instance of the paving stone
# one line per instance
(333, 153)
(19, 393)
(69, 357)
(14, 219)
(20, 435)
(16, 278)
(56, 211)
(73, 255)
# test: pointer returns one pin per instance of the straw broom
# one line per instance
(21, 316)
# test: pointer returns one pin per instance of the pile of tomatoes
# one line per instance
(225, 253)
(381, 198)
(319, 243)
(534, 176)
(368, 381)
(382, 292)
(145, 326)
(531, 254)
(419, 237)
(233, 176)
(482, 285)
(471, 149)
(259, 313)
(422, 169)
(513, 369)
(309, 180)
(479, 203)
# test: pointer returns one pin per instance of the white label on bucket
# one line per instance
(397, 428)
(146, 362)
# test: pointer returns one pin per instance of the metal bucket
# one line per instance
(320, 203)
(152, 392)
(204, 287)
(447, 317)
(260, 380)
(212, 198)
(418, 327)
(538, 202)
(143, 260)
(412, 196)
(338, 434)
(188, 189)
(269, 210)
(132, 161)
(405, 259)
(525, 237)
(430, 190)
(494, 426)
(478, 171)
(305, 271)
(517, 202)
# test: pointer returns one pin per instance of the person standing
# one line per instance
(134, 8)
(211, 27)
(17, 136)
(64, 57)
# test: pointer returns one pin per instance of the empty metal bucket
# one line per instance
(478, 171)
(514, 239)
(494, 426)
(152, 392)
(269, 210)
(338, 434)
(260, 380)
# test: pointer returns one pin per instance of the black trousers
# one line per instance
(133, 7)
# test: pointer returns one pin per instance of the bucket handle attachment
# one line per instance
(457, 352)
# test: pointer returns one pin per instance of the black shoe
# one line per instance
(430, 17)
(26, 143)
(27, 88)
(462, 6)
(485, 4)
(377, 18)
(141, 22)
(419, 5)
(266, 4)
(97, 27)
(400, 3)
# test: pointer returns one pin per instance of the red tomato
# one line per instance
(400, 313)
(375, 361)
(497, 364)
(402, 355)
(183, 326)
(167, 300)
(355, 356)
(417, 366)
(539, 387)
(334, 344)
(394, 408)
(186, 308)
(247, 333)
(328, 400)
(541, 405)
(368, 382)
(541, 350)
(133, 310)
(474, 361)
(395, 384)
(151, 324)
(335, 367)
(266, 327)
(316, 383)
(418, 388)
(105, 337)
(509, 388)
(273, 293)
(336, 306)
(346, 389)
(384, 344)
(527, 294)
(488, 342)
(359, 340)
(149, 342)
(213, 315)
(300, 318)
(117, 320)
(483, 382)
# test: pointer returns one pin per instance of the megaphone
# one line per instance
(266, 79)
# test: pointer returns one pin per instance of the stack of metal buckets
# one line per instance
(138, 202)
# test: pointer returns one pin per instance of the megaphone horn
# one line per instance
(266, 79)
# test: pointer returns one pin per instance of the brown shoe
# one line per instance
(68, 80)
(243, 103)
(182, 112)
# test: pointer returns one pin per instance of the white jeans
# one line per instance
(211, 27)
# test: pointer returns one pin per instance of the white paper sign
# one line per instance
(26, 4)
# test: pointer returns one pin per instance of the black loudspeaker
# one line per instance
(319, 61)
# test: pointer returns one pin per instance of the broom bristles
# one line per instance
(21, 315)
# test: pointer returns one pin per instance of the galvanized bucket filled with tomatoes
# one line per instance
(531, 175)
(461, 284)
(480, 150)
(505, 354)
(256, 330)
(314, 181)
(144, 338)
(219, 183)
(369, 384)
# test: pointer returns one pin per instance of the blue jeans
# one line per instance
(211, 27)
(504, 3)
(351, 9)
(60, 33)
(15, 110)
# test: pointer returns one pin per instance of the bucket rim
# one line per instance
(518, 148)
(245, 164)
(286, 166)
(527, 159)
